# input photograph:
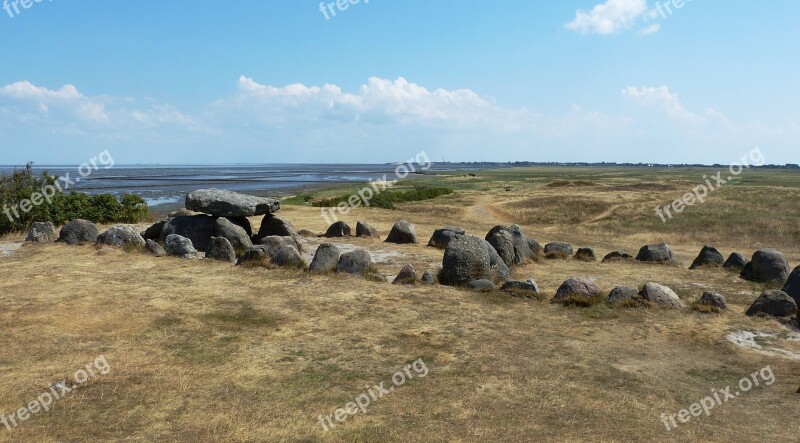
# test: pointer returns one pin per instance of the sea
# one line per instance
(169, 184)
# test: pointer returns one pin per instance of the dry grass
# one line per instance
(205, 351)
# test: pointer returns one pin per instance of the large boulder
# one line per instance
(287, 256)
(325, 259)
(235, 234)
(219, 248)
(617, 256)
(407, 276)
(443, 236)
(154, 231)
(223, 203)
(767, 266)
(78, 231)
(792, 286)
(197, 228)
(773, 303)
(402, 232)
(499, 269)
(356, 262)
(120, 236)
(274, 226)
(503, 244)
(736, 262)
(466, 258)
(155, 248)
(365, 230)
(494, 230)
(709, 256)
(41, 232)
(578, 291)
(179, 246)
(657, 253)
(558, 250)
(522, 247)
(338, 230)
(661, 295)
(625, 296)
(585, 254)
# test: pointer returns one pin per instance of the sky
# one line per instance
(207, 82)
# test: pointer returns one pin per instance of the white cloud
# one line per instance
(652, 29)
(610, 17)
(32, 102)
(661, 98)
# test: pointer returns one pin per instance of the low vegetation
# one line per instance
(388, 199)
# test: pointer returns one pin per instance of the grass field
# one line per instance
(203, 351)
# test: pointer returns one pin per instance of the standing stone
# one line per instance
(661, 295)
(443, 236)
(658, 253)
(338, 230)
(558, 250)
(355, 262)
(585, 254)
(579, 291)
(235, 234)
(503, 244)
(365, 230)
(709, 256)
(402, 232)
(736, 262)
(272, 225)
(155, 248)
(625, 296)
(767, 266)
(287, 256)
(180, 247)
(773, 303)
(219, 248)
(407, 276)
(428, 278)
(198, 228)
(325, 259)
(154, 231)
(715, 302)
(41, 232)
(121, 235)
(78, 231)
(792, 286)
(222, 203)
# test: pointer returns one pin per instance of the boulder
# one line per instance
(244, 223)
(356, 262)
(338, 230)
(180, 247)
(325, 259)
(219, 248)
(466, 258)
(305, 233)
(579, 291)
(536, 249)
(625, 296)
(407, 276)
(78, 231)
(274, 226)
(558, 250)
(154, 231)
(503, 244)
(657, 253)
(617, 256)
(773, 303)
(498, 267)
(258, 255)
(661, 295)
(736, 262)
(287, 256)
(792, 286)
(121, 235)
(223, 203)
(402, 232)
(155, 248)
(527, 288)
(365, 230)
(197, 228)
(708, 256)
(767, 266)
(482, 285)
(274, 242)
(494, 230)
(522, 248)
(235, 234)
(41, 232)
(428, 278)
(585, 254)
(443, 236)
(713, 301)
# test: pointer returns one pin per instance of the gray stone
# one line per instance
(244, 223)
(767, 266)
(272, 225)
(467, 258)
(661, 295)
(155, 248)
(792, 286)
(338, 230)
(355, 262)
(625, 296)
(498, 267)
(154, 231)
(197, 228)
(536, 249)
(180, 247)
(773, 303)
(657, 253)
(528, 287)
(481, 285)
(274, 242)
(713, 301)
(617, 256)
(495, 230)
(407, 276)
(736, 262)
(503, 244)
(579, 291)
(258, 255)
(41, 232)
(306, 233)
(585, 254)
(219, 248)
(365, 230)
(78, 231)
(223, 203)
(522, 247)
(325, 259)
(443, 236)
(287, 256)
(402, 232)
(708, 256)
(234, 233)
(121, 235)
(428, 278)
(558, 250)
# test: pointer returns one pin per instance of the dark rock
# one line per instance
(712, 300)
(522, 248)
(443, 236)
(503, 244)
(466, 258)
(428, 278)
(792, 286)
(495, 230)
(558, 250)
(219, 248)
(481, 285)
(274, 226)
(121, 235)
(773, 303)
(661, 295)
(407, 276)
(498, 267)
(222, 203)
(528, 287)
(180, 246)
(197, 228)
(708, 257)
(244, 223)
(767, 266)
(355, 262)
(365, 230)
(659, 253)
(258, 255)
(585, 254)
(736, 262)
(155, 248)
(536, 249)
(625, 296)
(402, 232)
(617, 256)
(577, 291)
(287, 256)
(41, 232)
(338, 229)
(78, 231)
(154, 231)
(325, 259)
(274, 242)
(235, 234)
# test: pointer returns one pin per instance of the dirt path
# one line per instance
(482, 210)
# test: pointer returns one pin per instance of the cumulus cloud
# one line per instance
(32, 102)
(609, 18)
(661, 98)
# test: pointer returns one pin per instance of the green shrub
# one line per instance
(388, 199)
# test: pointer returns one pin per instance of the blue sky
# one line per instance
(275, 81)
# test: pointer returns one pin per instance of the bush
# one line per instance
(388, 199)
